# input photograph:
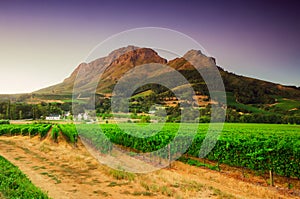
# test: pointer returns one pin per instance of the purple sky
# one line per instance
(42, 43)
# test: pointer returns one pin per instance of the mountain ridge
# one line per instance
(248, 99)
(111, 68)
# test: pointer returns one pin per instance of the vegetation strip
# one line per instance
(15, 184)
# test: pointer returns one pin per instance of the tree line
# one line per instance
(18, 110)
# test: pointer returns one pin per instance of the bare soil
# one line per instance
(67, 172)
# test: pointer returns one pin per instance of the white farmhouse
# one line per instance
(53, 117)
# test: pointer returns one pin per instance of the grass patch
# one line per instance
(145, 185)
(166, 191)
(218, 192)
(232, 102)
(287, 104)
(142, 193)
(114, 184)
(154, 188)
(19, 158)
(37, 167)
(143, 94)
(44, 148)
(197, 163)
(188, 186)
(53, 177)
(122, 175)
(102, 193)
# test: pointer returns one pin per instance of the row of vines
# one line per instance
(15, 184)
(262, 148)
(25, 129)
(68, 130)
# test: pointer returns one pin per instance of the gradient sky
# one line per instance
(41, 43)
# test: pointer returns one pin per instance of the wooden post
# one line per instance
(159, 157)
(218, 165)
(271, 178)
(169, 155)
(243, 172)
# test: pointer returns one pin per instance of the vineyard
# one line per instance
(259, 147)
(25, 129)
(264, 148)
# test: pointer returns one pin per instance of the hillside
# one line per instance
(244, 94)
(248, 99)
(116, 64)
(109, 69)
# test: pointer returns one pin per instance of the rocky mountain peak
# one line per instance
(138, 56)
(198, 59)
(119, 52)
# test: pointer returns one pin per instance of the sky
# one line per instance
(42, 42)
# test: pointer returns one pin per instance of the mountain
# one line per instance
(115, 64)
(118, 62)
(244, 94)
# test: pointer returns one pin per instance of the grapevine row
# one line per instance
(264, 149)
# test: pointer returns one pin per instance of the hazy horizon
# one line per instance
(42, 43)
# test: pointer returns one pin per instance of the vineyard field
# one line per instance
(259, 147)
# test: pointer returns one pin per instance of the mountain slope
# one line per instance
(111, 68)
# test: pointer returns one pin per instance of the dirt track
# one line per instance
(65, 172)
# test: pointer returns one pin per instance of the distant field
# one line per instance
(232, 102)
(75, 101)
(143, 94)
(287, 104)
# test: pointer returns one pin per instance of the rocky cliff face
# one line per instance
(192, 57)
(196, 57)
(107, 69)
(131, 59)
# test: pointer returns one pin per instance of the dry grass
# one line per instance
(121, 175)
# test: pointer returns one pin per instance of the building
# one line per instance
(53, 117)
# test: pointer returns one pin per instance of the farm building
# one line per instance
(53, 117)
